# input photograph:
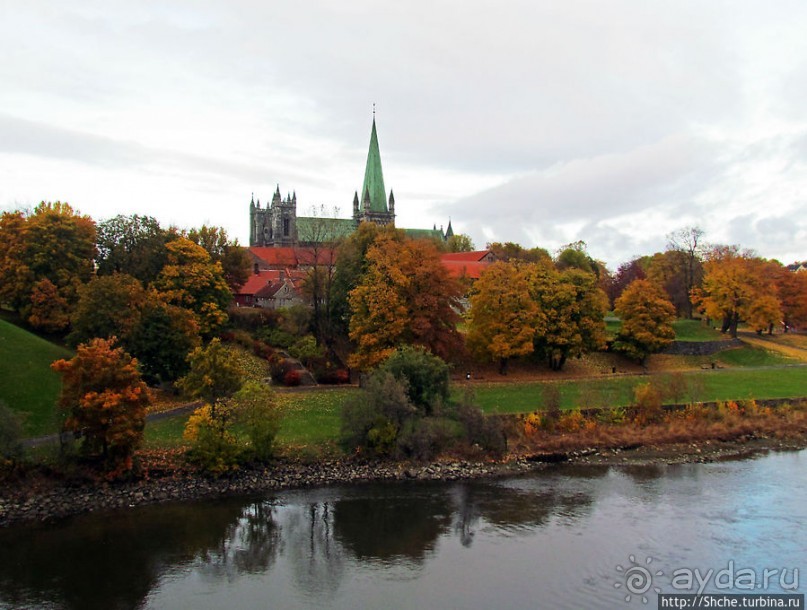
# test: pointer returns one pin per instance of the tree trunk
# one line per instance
(503, 366)
(735, 320)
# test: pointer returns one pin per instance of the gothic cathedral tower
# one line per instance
(373, 206)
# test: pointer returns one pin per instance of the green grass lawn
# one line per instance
(165, 433)
(700, 386)
(27, 385)
(309, 418)
(695, 330)
(312, 417)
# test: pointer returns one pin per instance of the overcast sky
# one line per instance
(537, 122)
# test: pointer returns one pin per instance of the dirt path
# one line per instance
(762, 341)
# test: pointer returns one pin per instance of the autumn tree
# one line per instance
(792, 289)
(52, 247)
(49, 310)
(575, 256)
(235, 261)
(503, 319)
(107, 306)
(214, 374)
(162, 339)
(134, 245)
(104, 398)
(190, 279)
(647, 316)
(733, 284)
(688, 241)
(510, 251)
(625, 274)
(764, 313)
(574, 308)
(460, 243)
(351, 265)
(214, 377)
(405, 297)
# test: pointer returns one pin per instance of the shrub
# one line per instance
(258, 412)
(425, 374)
(262, 350)
(486, 431)
(253, 318)
(571, 421)
(424, 438)
(305, 349)
(277, 337)
(533, 424)
(648, 404)
(333, 376)
(373, 419)
(213, 446)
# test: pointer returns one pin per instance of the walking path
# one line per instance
(763, 341)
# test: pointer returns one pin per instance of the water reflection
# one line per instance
(312, 547)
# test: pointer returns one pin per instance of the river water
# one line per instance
(562, 538)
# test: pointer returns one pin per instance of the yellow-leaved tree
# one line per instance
(190, 279)
(574, 307)
(736, 286)
(647, 316)
(503, 319)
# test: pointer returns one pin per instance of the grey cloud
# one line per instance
(21, 136)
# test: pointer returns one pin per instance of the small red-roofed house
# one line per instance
(467, 265)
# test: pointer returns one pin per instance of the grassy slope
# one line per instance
(27, 385)
(694, 330)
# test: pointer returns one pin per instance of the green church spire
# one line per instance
(373, 178)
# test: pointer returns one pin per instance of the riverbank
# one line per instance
(39, 498)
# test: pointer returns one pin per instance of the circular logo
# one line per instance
(637, 579)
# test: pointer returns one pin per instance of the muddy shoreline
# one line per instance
(38, 499)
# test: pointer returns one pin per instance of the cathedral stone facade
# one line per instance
(278, 225)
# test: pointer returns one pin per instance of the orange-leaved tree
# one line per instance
(405, 297)
(46, 253)
(734, 283)
(104, 398)
(503, 319)
(647, 316)
(792, 289)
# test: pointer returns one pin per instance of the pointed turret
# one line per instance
(449, 230)
(355, 204)
(373, 187)
(391, 202)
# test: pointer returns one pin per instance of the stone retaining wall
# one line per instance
(701, 348)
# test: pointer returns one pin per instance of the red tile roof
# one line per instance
(292, 257)
(471, 257)
(265, 278)
(471, 270)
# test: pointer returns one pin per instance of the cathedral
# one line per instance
(277, 224)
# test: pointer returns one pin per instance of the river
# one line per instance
(561, 538)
